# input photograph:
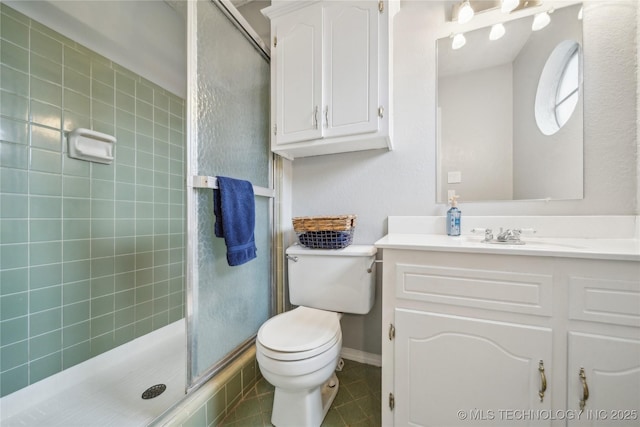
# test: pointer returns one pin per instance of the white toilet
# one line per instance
(298, 351)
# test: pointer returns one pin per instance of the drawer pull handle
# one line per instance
(543, 381)
(585, 389)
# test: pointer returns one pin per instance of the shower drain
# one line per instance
(154, 391)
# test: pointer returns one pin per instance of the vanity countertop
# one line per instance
(592, 248)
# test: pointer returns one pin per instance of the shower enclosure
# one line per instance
(92, 256)
(227, 135)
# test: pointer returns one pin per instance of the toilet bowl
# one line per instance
(298, 351)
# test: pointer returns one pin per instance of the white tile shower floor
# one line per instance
(104, 391)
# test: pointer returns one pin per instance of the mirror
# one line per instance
(492, 144)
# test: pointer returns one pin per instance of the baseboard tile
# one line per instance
(361, 356)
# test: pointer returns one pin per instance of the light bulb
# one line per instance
(540, 21)
(509, 5)
(465, 13)
(458, 41)
(497, 31)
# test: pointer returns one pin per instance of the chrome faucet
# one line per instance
(509, 235)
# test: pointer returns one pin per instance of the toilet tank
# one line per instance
(332, 279)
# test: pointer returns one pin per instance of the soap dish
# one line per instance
(92, 146)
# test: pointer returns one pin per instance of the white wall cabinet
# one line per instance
(297, 69)
(467, 336)
(330, 76)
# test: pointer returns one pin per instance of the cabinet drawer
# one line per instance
(489, 289)
(604, 300)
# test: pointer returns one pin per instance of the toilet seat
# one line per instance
(299, 334)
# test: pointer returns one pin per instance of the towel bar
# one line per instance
(212, 182)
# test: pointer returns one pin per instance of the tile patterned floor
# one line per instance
(357, 402)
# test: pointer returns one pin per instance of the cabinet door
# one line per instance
(455, 371)
(611, 376)
(297, 60)
(350, 68)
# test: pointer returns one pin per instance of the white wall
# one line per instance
(146, 36)
(476, 116)
(376, 184)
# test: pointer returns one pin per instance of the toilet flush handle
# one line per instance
(370, 269)
(292, 258)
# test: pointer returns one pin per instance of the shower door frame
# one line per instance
(194, 382)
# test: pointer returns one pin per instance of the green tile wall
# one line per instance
(91, 255)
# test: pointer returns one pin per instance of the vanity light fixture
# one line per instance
(497, 31)
(509, 5)
(465, 12)
(540, 20)
(458, 41)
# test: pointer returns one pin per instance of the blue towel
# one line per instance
(234, 208)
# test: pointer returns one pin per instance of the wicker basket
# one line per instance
(325, 232)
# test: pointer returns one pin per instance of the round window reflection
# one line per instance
(559, 87)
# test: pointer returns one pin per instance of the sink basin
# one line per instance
(623, 249)
(531, 242)
(535, 243)
(511, 242)
(552, 243)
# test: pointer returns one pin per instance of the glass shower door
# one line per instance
(228, 135)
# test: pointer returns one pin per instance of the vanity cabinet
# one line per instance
(603, 341)
(611, 368)
(446, 364)
(330, 64)
(488, 339)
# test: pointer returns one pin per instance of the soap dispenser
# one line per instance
(453, 217)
